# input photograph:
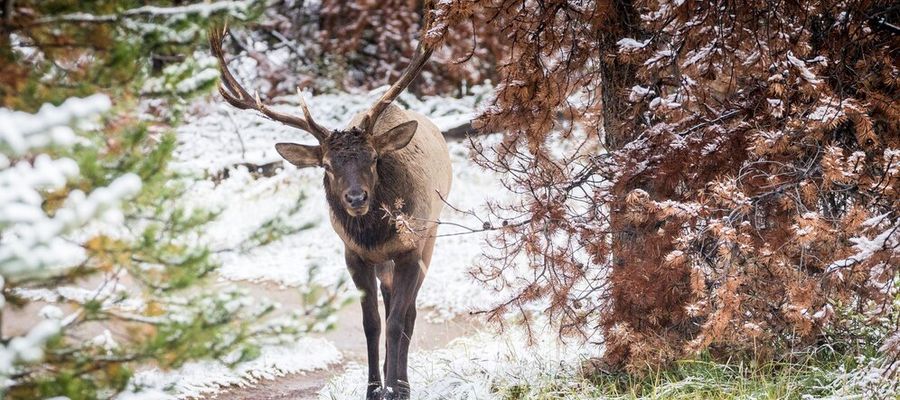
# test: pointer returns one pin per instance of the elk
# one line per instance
(386, 157)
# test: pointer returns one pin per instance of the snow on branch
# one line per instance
(866, 248)
(629, 44)
(32, 239)
(202, 9)
(21, 131)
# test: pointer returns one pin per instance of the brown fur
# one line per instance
(414, 174)
(374, 229)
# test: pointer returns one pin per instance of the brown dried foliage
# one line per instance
(749, 183)
(372, 41)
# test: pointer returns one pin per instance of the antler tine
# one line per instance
(309, 119)
(237, 96)
(423, 53)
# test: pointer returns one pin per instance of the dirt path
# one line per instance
(348, 337)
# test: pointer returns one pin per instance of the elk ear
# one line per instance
(300, 155)
(396, 138)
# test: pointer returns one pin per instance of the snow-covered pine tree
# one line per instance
(103, 263)
(52, 50)
(734, 181)
(101, 267)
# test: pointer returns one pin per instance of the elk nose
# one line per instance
(356, 197)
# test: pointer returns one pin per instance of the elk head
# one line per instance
(350, 157)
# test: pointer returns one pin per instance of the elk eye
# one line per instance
(327, 167)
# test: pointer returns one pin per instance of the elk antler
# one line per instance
(412, 70)
(237, 96)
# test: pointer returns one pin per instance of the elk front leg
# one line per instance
(385, 274)
(363, 276)
(407, 273)
(406, 338)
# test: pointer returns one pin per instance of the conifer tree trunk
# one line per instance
(646, 298)
(617, 77)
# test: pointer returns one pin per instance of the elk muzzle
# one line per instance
(356, 201)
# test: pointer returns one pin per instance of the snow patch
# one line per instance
(208, 377)
(474, 367)
(804, 70)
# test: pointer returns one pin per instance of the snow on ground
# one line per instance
(473, 368)
(225, 137)
(201, 378)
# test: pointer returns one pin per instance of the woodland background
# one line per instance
(686, 180)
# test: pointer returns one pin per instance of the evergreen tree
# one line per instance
(103, 213)
(103, 265)
(52, 50)
(732, 175)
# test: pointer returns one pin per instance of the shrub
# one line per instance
(103, 264)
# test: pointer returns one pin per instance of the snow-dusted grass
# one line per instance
(196, 379)
(481, 367)
(502, 366)
(819, 374)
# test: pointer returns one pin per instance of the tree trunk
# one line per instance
(646, 298)
(617, 77)
(6, 29)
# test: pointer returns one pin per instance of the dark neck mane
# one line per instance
(374, 229)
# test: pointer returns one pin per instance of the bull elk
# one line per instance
(386, 156)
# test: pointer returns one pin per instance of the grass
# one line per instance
(848, 366)
(708, 379)
(812, 375)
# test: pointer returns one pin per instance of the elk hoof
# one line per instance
(401, 392)
(391, 396)
(375, 392)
